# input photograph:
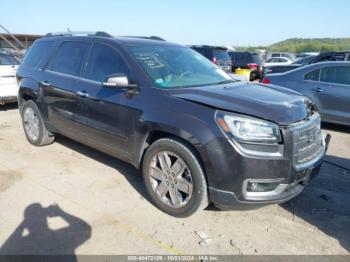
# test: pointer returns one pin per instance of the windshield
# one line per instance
(303, 61)
(178, 67)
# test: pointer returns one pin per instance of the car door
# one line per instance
(333, 93)
(107, 113)
(60, 83)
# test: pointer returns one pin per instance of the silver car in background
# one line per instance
(326, 83)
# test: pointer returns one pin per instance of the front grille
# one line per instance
(308, 142)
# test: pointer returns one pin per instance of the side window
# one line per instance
(336, 74)
(36, 53)
(313, 76)
(69, 58)
(104, 61)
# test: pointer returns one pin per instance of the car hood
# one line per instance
(273, 103)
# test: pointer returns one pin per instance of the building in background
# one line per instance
(7, 41)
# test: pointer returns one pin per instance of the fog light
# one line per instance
(254, 186)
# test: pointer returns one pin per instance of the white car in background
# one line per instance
(8, 83)
(277, 61)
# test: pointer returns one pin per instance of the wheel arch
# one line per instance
(182, 136)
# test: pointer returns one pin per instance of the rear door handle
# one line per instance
(318, 90)
(44, 83)
(83, 94)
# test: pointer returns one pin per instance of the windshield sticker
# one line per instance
(151, 60)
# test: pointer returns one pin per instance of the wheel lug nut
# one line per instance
(167, 183)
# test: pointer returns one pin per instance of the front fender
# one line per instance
(198, 132)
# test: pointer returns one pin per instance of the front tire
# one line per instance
(174, 178)
(34, 127)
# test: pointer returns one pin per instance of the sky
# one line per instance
(220, 22)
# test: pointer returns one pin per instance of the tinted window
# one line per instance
(36, 53)
(221, 54)
(256, 58)
(303, 61)
(201, 51)
(69, 58)
(104, 61)
(337, 74)
(8, 60)
(243, 58)
(313, 76)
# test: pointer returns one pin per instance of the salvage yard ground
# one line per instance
(102, 206)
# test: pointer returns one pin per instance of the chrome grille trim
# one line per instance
(308, 142)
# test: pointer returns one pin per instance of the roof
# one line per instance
(139, 41)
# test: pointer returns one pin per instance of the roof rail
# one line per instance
(152, 37)
(79, 33)
(208, 46)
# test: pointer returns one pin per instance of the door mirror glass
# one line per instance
(116, 80)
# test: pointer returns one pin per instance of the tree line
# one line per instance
(299, 45)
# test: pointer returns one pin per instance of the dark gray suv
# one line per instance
(197, 135)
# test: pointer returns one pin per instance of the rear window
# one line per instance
(221, 54)
(36, 53)
(256, 58)
(8, 60)
(69, 58)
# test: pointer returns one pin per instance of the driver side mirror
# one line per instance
(118, 81)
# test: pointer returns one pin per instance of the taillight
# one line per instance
(252, 65)
(214, 60)
(266, 81)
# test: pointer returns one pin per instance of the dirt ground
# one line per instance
(67, 198)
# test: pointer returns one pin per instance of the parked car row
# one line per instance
(327, 84)
(324, 57)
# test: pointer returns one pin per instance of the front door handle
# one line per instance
(83, 94)
(44, 83)
(318, 90)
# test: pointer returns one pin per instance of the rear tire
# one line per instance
(33, 124)
(174, 178)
